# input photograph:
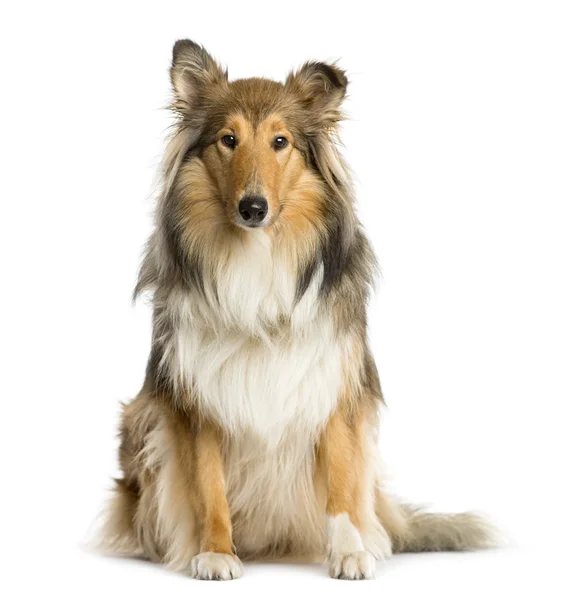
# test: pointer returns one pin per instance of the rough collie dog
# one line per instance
(255, 432)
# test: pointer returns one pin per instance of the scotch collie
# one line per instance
(255, 432)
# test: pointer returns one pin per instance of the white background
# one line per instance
(462, 138)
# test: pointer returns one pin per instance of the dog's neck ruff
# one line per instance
(254, 290)
(254, 359)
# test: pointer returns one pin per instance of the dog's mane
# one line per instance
(166, 262)
(341, 256)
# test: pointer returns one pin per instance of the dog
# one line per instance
(255, 432)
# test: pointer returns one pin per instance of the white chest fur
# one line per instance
(245, 378)
(259, 385)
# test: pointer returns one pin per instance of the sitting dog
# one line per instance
(255, 432)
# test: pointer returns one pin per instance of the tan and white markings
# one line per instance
(346, 554)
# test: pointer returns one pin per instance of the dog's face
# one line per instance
(259, 141)
(255, 166)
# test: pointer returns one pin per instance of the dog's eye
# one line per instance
(229, 141)
(280, 143)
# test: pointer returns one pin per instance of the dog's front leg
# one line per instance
(217, 559)
(342, 450)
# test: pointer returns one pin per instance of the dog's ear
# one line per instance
(319, 87)
(193, 71)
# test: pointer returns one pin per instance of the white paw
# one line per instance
(356, 565)
(216, 566)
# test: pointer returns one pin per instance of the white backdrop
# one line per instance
(462, 138)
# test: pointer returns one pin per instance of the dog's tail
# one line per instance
(412, 529)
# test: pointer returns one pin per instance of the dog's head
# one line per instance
(263, 149)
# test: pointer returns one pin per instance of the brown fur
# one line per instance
(342, 446)
(199, 471)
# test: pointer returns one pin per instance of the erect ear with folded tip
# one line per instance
(319, 86)
(194, 71)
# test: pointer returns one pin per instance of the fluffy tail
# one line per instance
(436, 532)
(413, 530)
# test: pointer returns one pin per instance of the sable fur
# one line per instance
(256, 429)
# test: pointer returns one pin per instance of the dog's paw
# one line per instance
(356, 565)
(216, 567)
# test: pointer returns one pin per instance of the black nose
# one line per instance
(253, 210)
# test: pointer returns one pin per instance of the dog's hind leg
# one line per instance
(117, 534)
(158, 459)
